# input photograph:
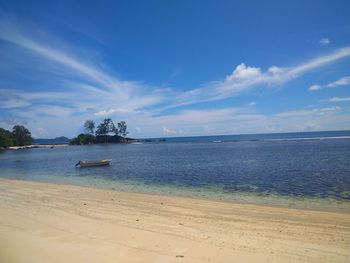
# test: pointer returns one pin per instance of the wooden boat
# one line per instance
(93, 163)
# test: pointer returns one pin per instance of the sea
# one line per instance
(307, 170)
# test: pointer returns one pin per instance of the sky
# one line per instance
(175, 68)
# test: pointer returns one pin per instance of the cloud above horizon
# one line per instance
(89, 89)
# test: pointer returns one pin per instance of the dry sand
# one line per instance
(41, 222)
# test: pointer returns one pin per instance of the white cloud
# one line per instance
(20, 99)
(167, 131)
(251, 104)
(319, 62)
(328, 118)
(338, 99)
(95, 91)
(315, 87)
(242, 78)
(340, 82)
(128, 92)
(334, 108)
(245, 77)
(243, 73)
(244, 120)
(13, 103)
(112, 111)
(309, 112)
(38, 132)
(296, 113)
(200, 122)
(125, 92)
(324, 41)
(54, 111)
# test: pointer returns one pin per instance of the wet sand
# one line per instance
(42, 222)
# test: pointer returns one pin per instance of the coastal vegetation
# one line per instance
(20, 136)
(106, 132)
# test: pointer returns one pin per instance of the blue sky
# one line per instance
(175, 68)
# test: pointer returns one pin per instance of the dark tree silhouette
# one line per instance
(104, 128)
(5, 138)
(21, 135)
(89, 126)
(122, 128)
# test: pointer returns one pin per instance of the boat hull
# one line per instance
(93, 163)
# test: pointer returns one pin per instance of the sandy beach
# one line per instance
(42, 222)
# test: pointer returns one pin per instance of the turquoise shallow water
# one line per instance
(307, 172)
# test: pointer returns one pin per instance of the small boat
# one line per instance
(93, 163)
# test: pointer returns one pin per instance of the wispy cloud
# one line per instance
(327, 109)
(315, 87)
(94, 91)
(340, 82)
(324, 41)
(326, 118)
(167, 131)
(175, 73)
(19, 98)
(246, 77)
(338, 99)
(244, 120)
(122, 91)
(242, 78)
(11, 34)
(319, 62)
(112, 111)
(251, 104)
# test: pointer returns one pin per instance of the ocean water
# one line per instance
(295, 169)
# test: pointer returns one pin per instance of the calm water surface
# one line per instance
(304, 165)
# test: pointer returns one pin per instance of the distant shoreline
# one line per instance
(36, 146)
(33, 146)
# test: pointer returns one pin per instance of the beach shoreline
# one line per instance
(53, 222)
(34, 146)
(206, 194)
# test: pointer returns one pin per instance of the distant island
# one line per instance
(106, 132)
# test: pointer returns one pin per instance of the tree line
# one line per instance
(20, 136)
(105, 132)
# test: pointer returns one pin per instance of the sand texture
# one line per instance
(42, 222)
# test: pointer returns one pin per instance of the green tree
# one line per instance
(89, 126)
(21, 136)
(122, 128)
(5, 138)
(104, 128)
(83, 139)
(116, 130)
